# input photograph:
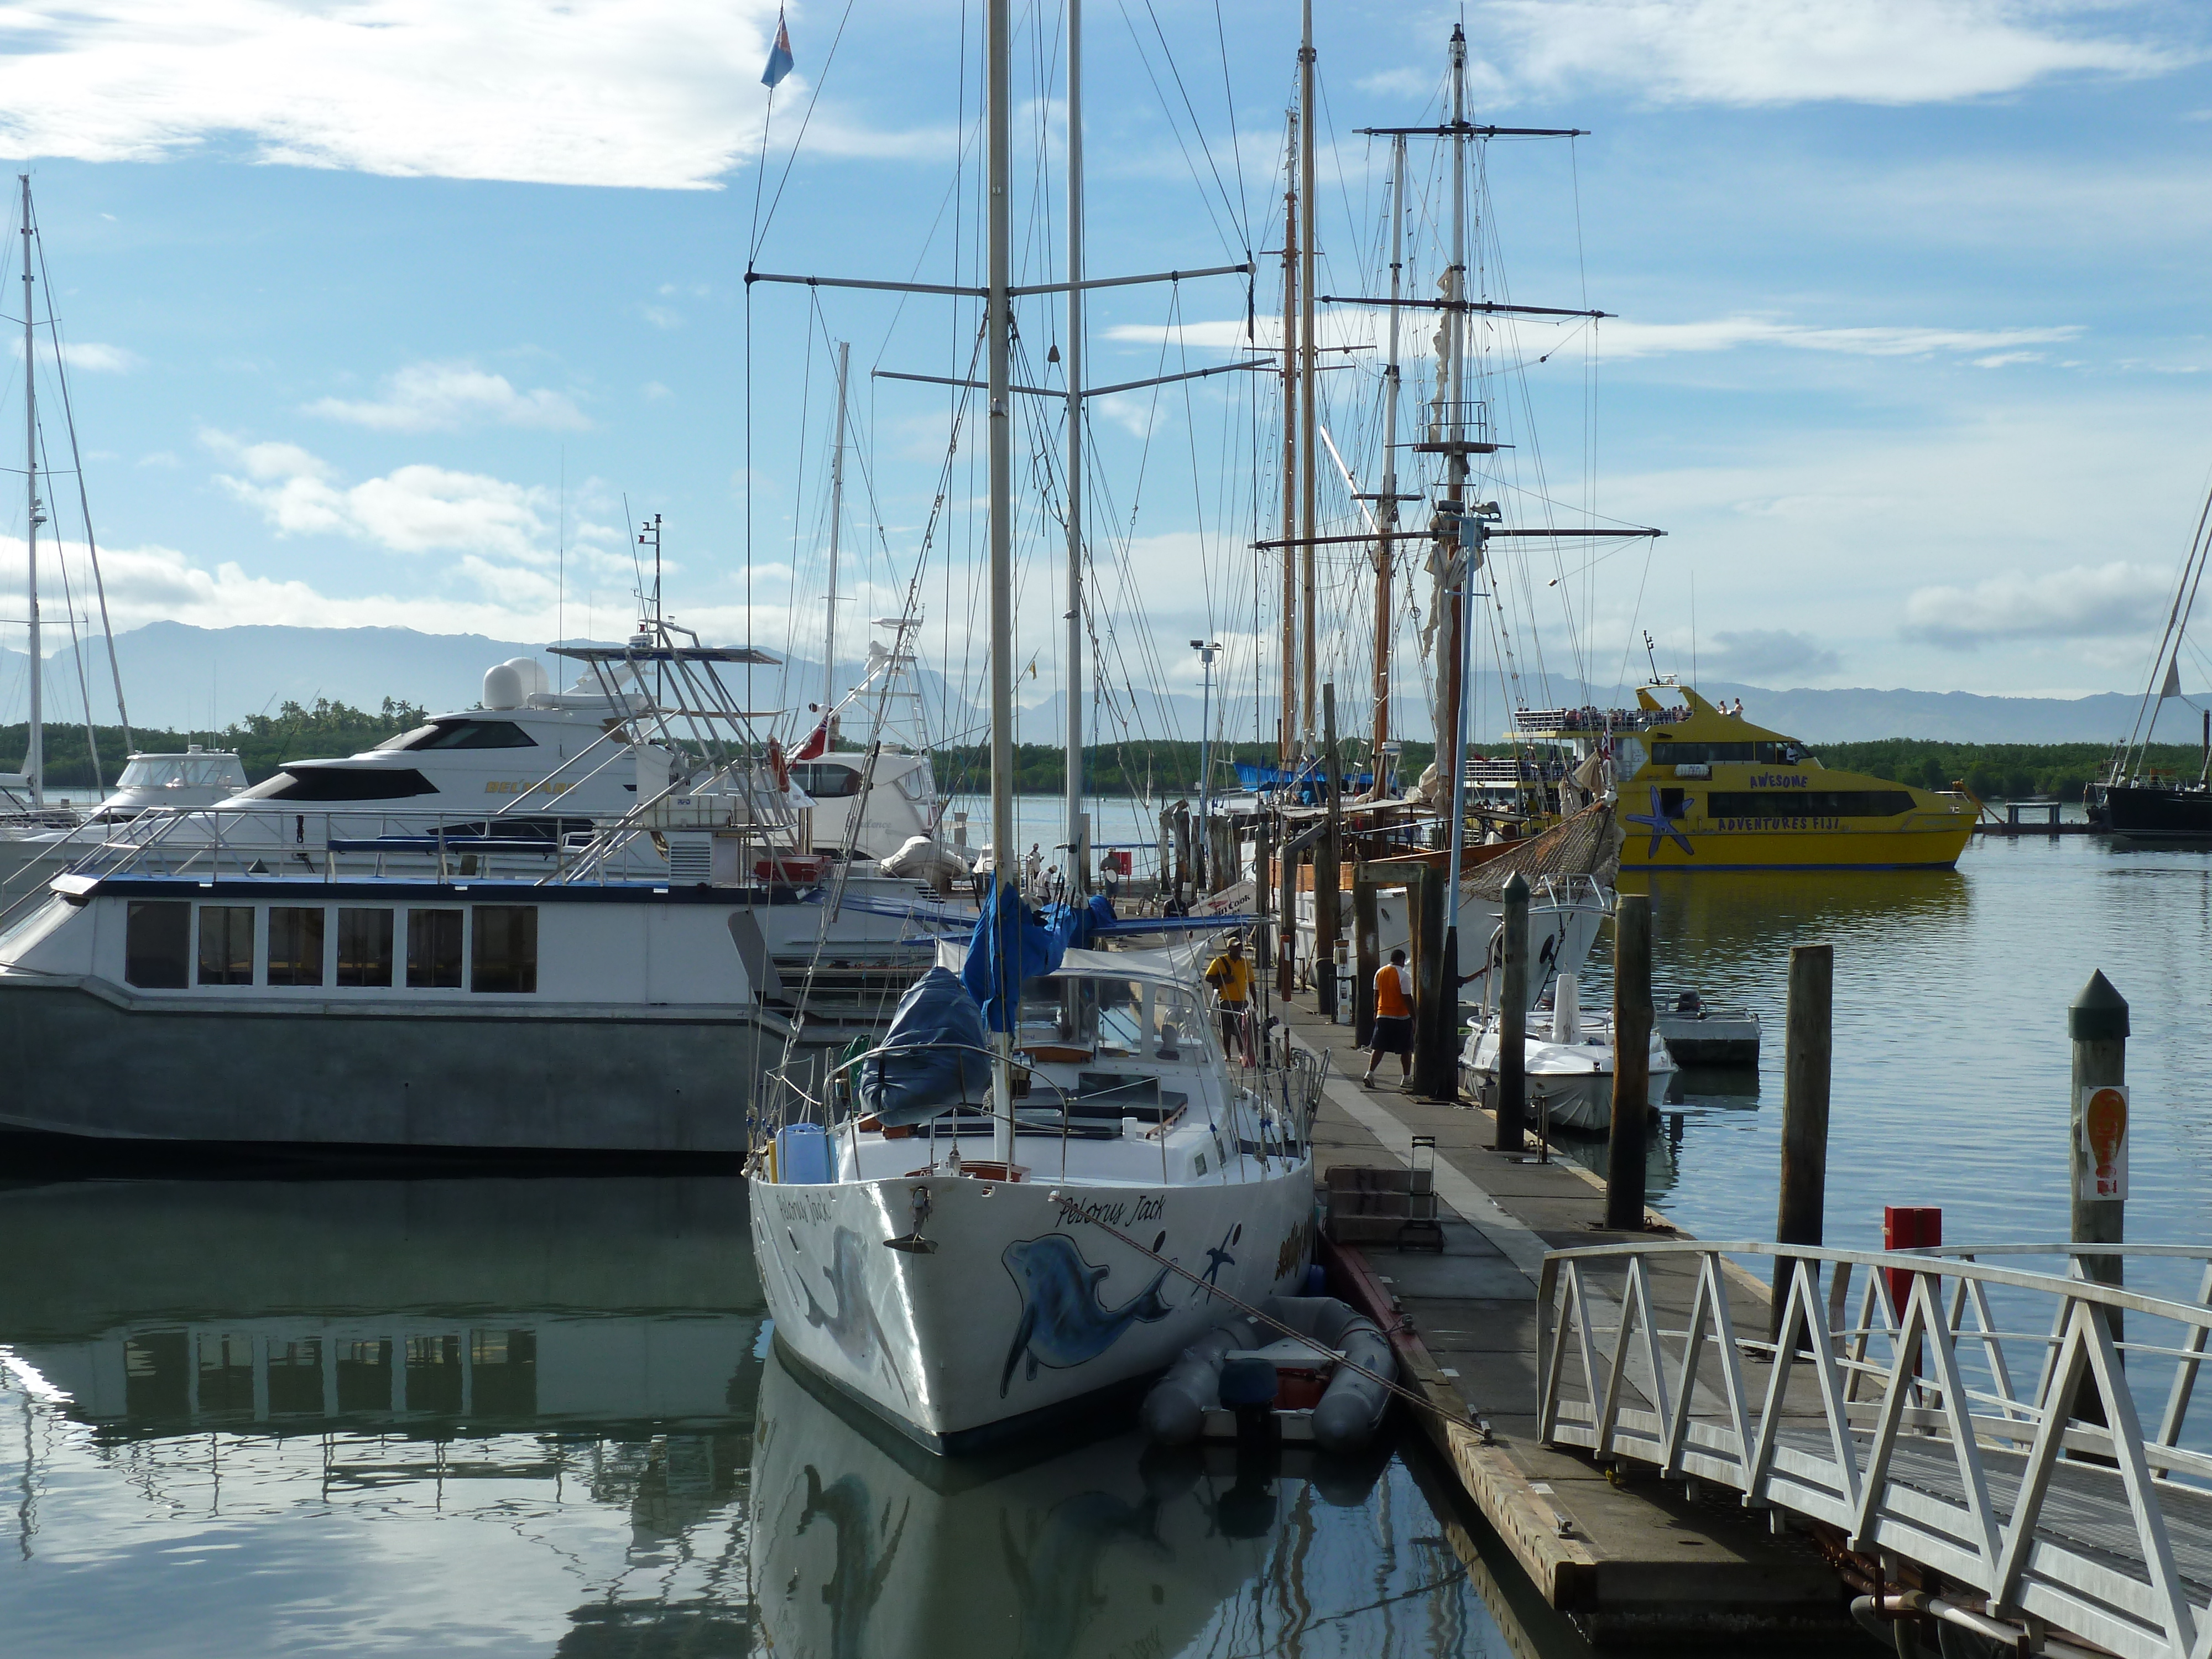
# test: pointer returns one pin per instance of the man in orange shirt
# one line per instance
(1393, 1018)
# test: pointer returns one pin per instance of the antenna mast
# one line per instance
(1078, 843)
(34, 756)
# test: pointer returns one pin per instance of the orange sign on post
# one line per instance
(2100, 1129)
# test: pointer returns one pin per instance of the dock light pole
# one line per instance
(1207, 649)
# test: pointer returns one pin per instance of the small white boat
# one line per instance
(197, 777)
(1702, 1033)
(1569, 1067)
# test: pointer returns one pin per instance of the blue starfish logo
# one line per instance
(1663, 826)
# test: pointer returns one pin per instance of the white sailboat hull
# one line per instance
(1017, 1313)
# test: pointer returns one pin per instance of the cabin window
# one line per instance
(506, 941)
(226, 944)
(364, 947)
(295, 944)
(157, 944)
(343, 782)
(434, 950)
(826, 780)
(1811, 802)
(469, 734)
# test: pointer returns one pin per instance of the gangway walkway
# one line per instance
(2025, 1435)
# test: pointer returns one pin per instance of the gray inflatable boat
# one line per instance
(1242, 1370)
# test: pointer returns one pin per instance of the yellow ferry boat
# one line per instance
(1699, 789)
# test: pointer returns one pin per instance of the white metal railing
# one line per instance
(1962, 1431)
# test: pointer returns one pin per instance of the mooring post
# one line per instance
(1287, 916)
(1808, 1043)
(1631, 1063)
(2098, 1023)
(1328, 900)
(1513, 1022)
(1367, 949)
(1435, 996)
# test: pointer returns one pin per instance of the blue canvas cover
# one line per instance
(938, 1053)
(1035, 950)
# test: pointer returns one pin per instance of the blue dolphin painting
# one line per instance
(1063, 1322)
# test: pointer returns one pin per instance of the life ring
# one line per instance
(778, 768)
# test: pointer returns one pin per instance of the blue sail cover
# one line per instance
(938, 1053)
(1033, 949)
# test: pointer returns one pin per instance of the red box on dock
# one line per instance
(1906, 1227)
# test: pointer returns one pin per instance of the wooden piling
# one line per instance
(1328, 905)
(1631, 1063)
(1287, 916)
(1367, 953)
(1436, 1067)
(1512, 1104)
(1263, 876)
(1808, 1044)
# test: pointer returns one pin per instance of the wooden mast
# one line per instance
(1287, 733)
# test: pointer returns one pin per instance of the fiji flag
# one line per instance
(778, 55)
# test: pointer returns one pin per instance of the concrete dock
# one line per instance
(1630, 1560)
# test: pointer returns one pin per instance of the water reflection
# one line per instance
(533, 1416)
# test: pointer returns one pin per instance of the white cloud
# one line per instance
(1758, 52)
(2116, 600)
(655, 94)
(1757, 654)
(426, 397)
(89, 355)
(662, 316)
(1619, 339)
(413, 509)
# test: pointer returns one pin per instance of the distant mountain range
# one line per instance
(184, 678)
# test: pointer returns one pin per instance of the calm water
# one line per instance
(542, 1417)
(1951, 1054)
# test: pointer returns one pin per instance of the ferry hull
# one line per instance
(1017, 1316)
(1871, 848)
(102, 1068)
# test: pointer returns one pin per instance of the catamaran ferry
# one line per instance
(1699, 789)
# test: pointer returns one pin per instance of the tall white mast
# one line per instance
(999, 325)
(35, 751)
(1308, 483)
(1383, 552)
(837, 525)
(1079, 851)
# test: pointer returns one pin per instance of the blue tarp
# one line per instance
(1033, 949)
(1076, 928)
(1306, 781)
(939, 1056)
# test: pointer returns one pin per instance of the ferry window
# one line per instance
(295, 944)
(226, 1380)
(1810, 803)
(157, 1383)
(226, 944)
(319, 783)
(434, 950)
(157, 944)
(506, 948)
(825, 780)
(364, 947)
(472, 734)
(364, 1375)
(1779, 754)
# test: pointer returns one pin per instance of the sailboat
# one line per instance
(1029, 1194)
(2135, 798)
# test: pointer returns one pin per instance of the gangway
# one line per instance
(1948, 1408)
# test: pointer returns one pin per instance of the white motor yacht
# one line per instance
(1569, 1064)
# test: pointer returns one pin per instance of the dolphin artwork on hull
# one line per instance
(1064, 1322)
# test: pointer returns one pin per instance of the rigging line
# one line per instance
(1235, 145)
(84, 502)
(1198, 127)
(1175, 127)
(814, 97)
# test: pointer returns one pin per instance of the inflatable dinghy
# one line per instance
(1243, 1369)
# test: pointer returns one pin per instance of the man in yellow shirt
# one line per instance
(1230, 975)
(1393, 1018)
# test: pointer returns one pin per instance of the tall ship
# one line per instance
(1698, 789)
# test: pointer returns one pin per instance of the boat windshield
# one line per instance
(463, 734)
(157, 771)
(1103, 1015)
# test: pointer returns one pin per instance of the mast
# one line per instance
(1306, 416)
(34, 756)
(1456, 415)
(1079, 850)
(836, 524)
(1390, 504)
(999, 325)
(1287, 737)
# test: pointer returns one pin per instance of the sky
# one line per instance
(385, 313)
